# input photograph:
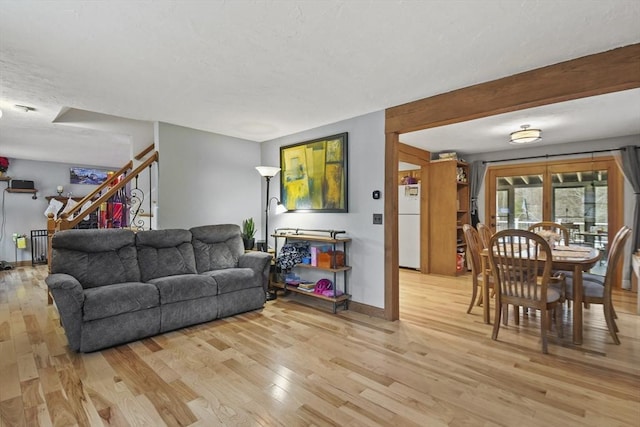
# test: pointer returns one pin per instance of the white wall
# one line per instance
(365, 174)
(20, 213)
(205, 178)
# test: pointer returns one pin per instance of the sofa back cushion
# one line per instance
(96, 257)
(164, 253)
(217, 246)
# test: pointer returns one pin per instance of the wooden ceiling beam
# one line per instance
(611, 71)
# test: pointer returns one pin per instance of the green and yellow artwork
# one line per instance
(314, 175)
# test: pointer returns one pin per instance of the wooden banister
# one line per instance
(98, 189)
(144, 152)
(66, 223)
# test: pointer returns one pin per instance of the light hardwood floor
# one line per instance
(294, 365)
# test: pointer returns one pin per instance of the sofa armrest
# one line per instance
(259, 262)
(68, 295)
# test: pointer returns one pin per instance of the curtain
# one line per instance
(631, 169)
(477, 175)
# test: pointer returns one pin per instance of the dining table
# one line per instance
(565, 258)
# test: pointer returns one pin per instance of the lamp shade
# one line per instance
(280, 208)
(269, 171)
(525, 135)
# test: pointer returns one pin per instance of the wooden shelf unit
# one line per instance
(449, 210)
(22, 190)
(336, 243)
(7, 179)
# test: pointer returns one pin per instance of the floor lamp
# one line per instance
(269, 172)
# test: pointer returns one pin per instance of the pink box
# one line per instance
(314, 256)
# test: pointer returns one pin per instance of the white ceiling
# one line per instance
(262, 69)
(599, 117)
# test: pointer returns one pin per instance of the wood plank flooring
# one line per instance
(292, 364)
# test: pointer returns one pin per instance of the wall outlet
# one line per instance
(377, 218)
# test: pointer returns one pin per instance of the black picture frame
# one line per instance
(314, 175)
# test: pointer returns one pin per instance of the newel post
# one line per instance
(51, 228)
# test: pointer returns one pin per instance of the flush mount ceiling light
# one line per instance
(24, 108)
(526, 135)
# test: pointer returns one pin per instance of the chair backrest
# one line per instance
(613, 258)
(520, 259)
(554, 227)
(474, 246)
(485, 234)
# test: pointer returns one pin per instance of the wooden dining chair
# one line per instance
(553, 227)
(596, 292)
(521, 264)
(474, 246)
(485, 234)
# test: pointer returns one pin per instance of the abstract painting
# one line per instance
(314, 175)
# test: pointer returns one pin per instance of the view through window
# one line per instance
(576, 194)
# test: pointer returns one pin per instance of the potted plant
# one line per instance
(248, 233)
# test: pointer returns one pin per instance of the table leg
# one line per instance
(486, 305)
(577, 305)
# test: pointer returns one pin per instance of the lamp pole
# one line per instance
(266, 218)
(268, 172)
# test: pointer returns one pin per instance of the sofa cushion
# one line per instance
(96, 257)
(217, 246)
(107, 301)
(164, 253)
(184, 287)
(235, 279)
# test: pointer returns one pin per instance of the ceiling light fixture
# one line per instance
(24, 108)
(525, 135)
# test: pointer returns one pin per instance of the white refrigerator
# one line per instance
(409, 226)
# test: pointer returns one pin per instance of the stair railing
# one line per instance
(67, 221)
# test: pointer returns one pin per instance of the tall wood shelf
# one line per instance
(449, 210)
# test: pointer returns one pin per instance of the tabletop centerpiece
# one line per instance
(551, 237)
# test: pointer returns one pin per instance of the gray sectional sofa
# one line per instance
(113, 286)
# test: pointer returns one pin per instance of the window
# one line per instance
(584, 195)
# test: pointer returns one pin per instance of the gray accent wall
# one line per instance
(205, 178)
(366, 174)
(21, 214)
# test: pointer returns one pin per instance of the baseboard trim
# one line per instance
(369, 310)
(18, 264)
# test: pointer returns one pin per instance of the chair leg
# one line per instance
(516, 314)
(611, 324)
(474, 294)
(505, 314)
(544, 319)
(614, 316)
(496, 321)
(558, 313)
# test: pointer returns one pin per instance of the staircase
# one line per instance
(124, 185)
